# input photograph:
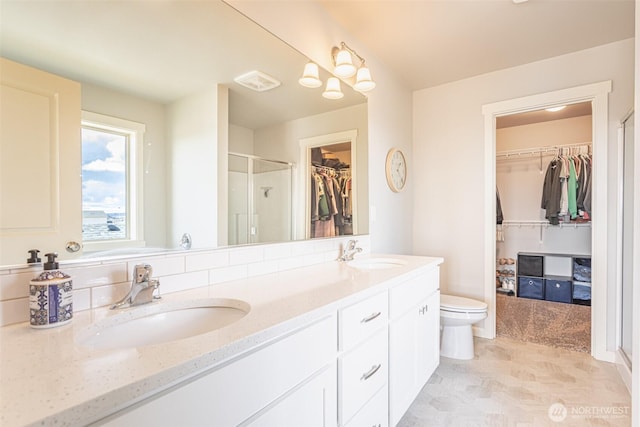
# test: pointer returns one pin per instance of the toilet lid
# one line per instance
(453, 303)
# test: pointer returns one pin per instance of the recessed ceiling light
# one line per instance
(519, 1)
(554, 109)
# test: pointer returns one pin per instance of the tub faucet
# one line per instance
(349, 251)
(142, 288)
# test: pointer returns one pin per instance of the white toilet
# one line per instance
(457, 314)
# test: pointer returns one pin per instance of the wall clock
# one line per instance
(396, 169)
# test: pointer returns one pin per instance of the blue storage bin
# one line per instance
(531, 287)
(558, 289)
(582, 293)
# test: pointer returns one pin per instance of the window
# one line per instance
(111, 182)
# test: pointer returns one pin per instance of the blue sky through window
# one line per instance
(104, 185)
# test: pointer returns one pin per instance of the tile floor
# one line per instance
(514, 383)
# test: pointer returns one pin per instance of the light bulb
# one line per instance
(332, 91)
(364, 83)
(344, 64)
(310, 76)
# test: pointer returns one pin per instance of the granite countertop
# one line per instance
(47, 377)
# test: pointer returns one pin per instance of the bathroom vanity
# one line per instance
(337, 343)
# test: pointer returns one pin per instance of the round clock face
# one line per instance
(396, 169)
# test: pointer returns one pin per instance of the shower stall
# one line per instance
(260, 206)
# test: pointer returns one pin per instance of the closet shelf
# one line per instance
(514, 154)
(543, 223)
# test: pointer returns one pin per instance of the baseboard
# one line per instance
(623, 369)
(481, 332)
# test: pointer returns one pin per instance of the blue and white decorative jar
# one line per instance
(50, 297)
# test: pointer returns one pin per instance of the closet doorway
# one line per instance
(330, 191)
(597, 95)
(543, 180)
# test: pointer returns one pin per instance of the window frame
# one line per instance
(134, 179)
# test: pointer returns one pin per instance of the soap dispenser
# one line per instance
(50, 296)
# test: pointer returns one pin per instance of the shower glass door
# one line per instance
(259, 200)
(626, 339)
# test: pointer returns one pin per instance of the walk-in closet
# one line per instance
(331, 195)
(543, 226)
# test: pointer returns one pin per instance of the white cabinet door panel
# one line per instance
(40, 162)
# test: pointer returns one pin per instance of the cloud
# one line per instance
(114, 163)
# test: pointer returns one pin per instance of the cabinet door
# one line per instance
(402, 364)
(429, 338)
(40, 161)
(312, 405)
(414, 353)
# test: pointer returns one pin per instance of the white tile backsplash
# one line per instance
(101, 283)
(97, 275)
(14, 311)
(206, 260)
(107, 295)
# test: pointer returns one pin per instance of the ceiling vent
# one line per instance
(258, 81)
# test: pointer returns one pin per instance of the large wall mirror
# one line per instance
(169, 67)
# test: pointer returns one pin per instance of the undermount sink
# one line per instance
(376, 263)
(162, 322)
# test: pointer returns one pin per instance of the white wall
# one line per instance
(193, 168)
(240, 139)
(307, 27)
(449, 146)
(109, 102)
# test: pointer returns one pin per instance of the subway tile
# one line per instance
(278, 251)
(14, 311)
(107, 295)
(227, 274)
(184, 281)
(246, 255)
(81, 299)
(206, 260)
(97, 275)
(14, 286)
(259, 268)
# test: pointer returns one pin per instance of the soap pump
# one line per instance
(50, 296)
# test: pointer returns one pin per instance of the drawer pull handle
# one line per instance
(424, 309)
(372, 371)
(371, 317)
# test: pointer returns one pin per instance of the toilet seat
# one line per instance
(454, 304)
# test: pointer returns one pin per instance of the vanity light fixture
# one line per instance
(343, 58)
(310, 76)
(333, 91)
(345, 68)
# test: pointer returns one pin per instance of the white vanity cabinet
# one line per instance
(363, 369)
(414, 330)
(289, 381)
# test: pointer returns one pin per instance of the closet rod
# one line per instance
(543, 223)
(539, 150)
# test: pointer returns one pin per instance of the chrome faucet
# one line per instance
(142, 288)
(349, 251)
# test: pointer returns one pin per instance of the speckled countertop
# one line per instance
(47, 378)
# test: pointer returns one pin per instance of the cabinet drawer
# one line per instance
(374, 413)
(361, 373)
(404, 296)
(361, 320)
(231, 394)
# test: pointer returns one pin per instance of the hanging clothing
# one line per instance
(499, 216)
(551, 191)
(566, 192)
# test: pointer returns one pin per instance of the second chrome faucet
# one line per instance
(142, 288)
